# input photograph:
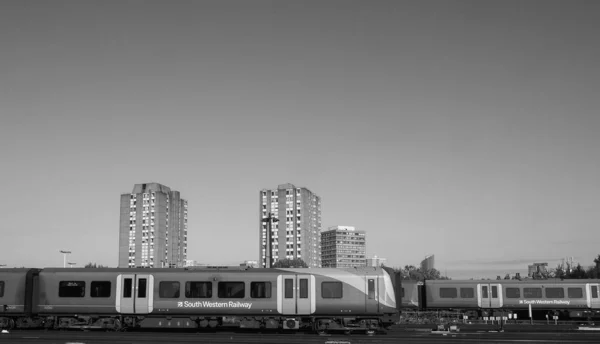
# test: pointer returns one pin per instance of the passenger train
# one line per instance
(360, 299)
(568, 299)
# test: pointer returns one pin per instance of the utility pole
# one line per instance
(268, 259)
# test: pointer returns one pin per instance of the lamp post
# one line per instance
(269, 220)
(65, 257)
(71, 264)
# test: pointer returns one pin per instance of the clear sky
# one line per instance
(466, 129)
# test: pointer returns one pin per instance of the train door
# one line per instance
(303, 301)
(135, 293)
(296, 294)
(593, 299)
(372, 294)
(490, 295)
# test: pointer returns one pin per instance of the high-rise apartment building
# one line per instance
(297, 233)
(343, 247)
(153, 227)
(376, 261)
(428, 263)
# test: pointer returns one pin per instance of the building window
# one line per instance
(71, 289)
(234, 290)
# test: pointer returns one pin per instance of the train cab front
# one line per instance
(393, 297)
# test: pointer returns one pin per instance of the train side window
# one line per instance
(513, 293)
(331, 290)
(371, 287)
(594, 292)
(467, 293)
(494, 292)
(555, 293)
(532, 293)
(260, 290)
(1, 288)
(234, 290)
(402, 293)
(303, 288)
(100, 289)
(168, 290)
(142, 283)
(575, 293)
(289, 288)
(71, 289)
(484, 291)
(448, 293)
(198, 290)
(127, 287)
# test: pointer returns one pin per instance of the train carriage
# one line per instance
(108, 298)
(15, 286)
(570, 298)
(452, 294)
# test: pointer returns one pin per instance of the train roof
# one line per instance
(510, 282)
(15, 270)
(233, 269)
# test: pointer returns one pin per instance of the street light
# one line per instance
(269, 220)
(71, 264)
(65, 257)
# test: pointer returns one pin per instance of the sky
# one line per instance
(464, 129)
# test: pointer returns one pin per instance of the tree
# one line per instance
(595, 273)
(410, 272)
(559, 272)
(578, 272)
(93, 265)
(290, 263)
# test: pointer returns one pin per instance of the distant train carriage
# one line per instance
(16, 288)
(452, 294)
(569, 298)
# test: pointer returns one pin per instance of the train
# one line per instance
(285, 299)
(290, 299)
(478, 299)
